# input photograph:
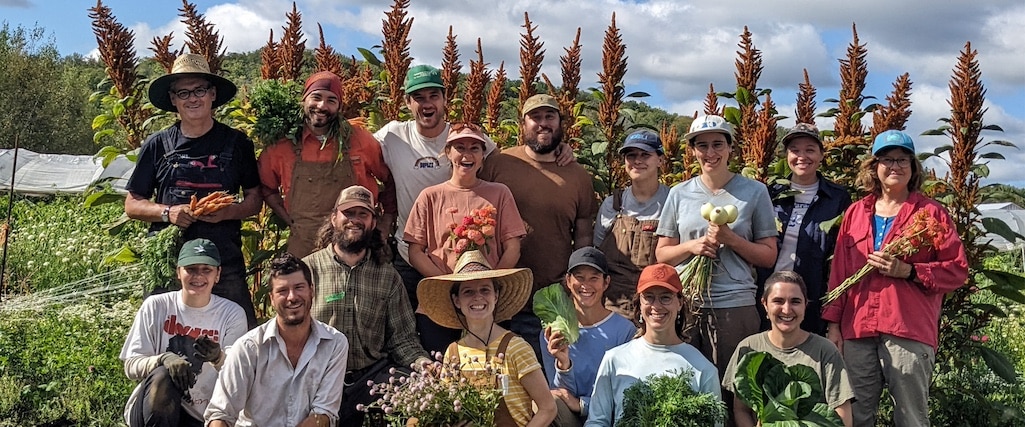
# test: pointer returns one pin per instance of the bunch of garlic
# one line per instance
(719, 215)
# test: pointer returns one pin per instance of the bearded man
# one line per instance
(360, 294)
(301, 174)
(557, 202)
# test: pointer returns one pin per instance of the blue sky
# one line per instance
(676, 48)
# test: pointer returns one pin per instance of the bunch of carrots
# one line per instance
(213, 202)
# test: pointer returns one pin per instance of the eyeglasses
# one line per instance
(185, 93)
(664, 299)
(891, 162)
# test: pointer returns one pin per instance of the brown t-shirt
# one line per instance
(551, 199)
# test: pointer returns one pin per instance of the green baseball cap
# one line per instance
(422, 77)
(199, 251)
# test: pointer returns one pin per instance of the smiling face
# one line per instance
(466, 155)
(804, 155)
(321, 108)
(542, 130)
(198, 280)
(712, 150)
(785, 305)
(889, 170)
(428, 108)
(352, 228)
(476, 299)
(640, 164)
(291, 296)
(194, 107)
(659, 308)
(587, 286)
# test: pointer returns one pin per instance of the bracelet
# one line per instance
(166, 214)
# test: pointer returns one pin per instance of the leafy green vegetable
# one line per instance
(780, 394)
(555, 308)
(669, 401)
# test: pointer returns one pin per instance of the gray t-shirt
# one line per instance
(733, 281)
(816, 352)
(648, 210)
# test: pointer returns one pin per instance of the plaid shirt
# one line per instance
(368, 303)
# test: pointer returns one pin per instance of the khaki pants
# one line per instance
(904, 366)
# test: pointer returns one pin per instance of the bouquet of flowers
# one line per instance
(440, 394)
(924, 231)
(473, 231)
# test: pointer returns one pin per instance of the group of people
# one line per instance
(381, 271)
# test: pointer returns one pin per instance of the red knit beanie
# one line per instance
(324, 80)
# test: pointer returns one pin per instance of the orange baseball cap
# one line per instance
(663, 275)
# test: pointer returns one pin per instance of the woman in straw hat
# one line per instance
(658, 307)
(441, 210)
(474, 299)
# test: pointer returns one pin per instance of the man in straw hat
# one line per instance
(361, 294)
(197, 156)
(558, 203)
(174, 347)
(263, 384)
(301, 177)
(473, 299)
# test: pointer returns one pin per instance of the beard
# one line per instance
(317, 121)
(353, 245)
(531, 140)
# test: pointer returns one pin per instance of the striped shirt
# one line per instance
(518, 362)
(368, 303)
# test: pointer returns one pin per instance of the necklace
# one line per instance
(490, 331)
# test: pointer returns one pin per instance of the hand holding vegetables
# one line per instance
(556, 311)
(719, 218)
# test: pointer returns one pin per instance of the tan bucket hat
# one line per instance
(435, 293)
(189, 65)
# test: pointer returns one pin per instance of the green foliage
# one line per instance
(669, 401)
(61, 366)
(44, 105)
(555, 309)
(780, 394)
(54, 241)
(277, 109)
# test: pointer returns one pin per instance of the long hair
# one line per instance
(868, 179)
(377, 248)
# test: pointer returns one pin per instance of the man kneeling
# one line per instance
(288, 371)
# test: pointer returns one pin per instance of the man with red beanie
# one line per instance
(302, 174)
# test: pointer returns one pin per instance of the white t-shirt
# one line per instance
(165, 324)
(416, 162)
(802, 200)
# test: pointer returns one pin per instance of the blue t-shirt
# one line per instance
(585, 354)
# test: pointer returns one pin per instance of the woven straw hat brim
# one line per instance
(159, 96)
(434, 294)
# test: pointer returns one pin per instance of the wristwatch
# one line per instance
(166, 214)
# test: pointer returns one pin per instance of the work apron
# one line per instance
(315, 187)
(629, 246)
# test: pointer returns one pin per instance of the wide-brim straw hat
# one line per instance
(189, 65)
(513, 286)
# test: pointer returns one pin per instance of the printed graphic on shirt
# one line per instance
(799, 210)
(430, 162)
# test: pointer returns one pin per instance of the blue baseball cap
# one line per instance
(643, 139)
(892, 138)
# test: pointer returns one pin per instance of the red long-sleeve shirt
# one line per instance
(887, 305)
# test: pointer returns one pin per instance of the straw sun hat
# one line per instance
(189, 65)
(435, 293)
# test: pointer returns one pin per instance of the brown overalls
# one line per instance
(629, 246)
(315, 186)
